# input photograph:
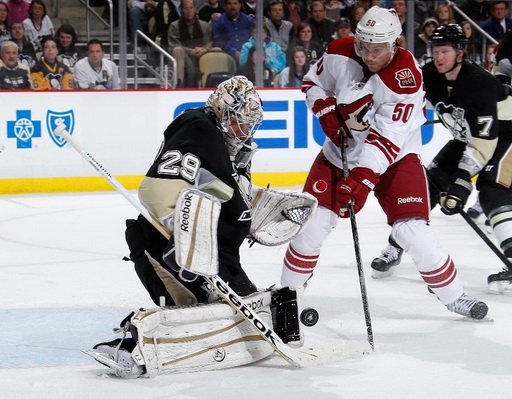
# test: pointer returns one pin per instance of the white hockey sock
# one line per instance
(297, 268)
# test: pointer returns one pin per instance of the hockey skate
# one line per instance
(500, 282)
(469, 307)
(384, 265)
(116, 355)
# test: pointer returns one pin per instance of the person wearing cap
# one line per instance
(421, 41)
(343, 28)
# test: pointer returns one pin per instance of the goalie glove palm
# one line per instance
(356, 188)
(455, 198)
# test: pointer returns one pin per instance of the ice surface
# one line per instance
(64, 286)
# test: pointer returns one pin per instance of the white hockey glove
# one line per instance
(277, 217)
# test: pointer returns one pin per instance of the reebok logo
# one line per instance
(185, 212)
(324, 111)
(410, 199)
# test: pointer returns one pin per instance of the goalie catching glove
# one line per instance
(277, 217)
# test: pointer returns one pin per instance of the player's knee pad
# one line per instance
(200, 337)
(311, 238)
(418, 241)
(496, 202)
(493, 196)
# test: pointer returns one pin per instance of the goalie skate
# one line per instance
(501, 282)
(384, 265)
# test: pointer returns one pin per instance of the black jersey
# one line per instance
(470, 100)
(14, 78)
(194, 154)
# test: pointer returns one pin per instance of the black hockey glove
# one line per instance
(455, 198)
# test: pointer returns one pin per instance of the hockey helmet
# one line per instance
(236, 102)
(451, 34)
(379, 25)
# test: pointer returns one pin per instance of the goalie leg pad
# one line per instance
(277, 217)
(195, 232)
(199, 337)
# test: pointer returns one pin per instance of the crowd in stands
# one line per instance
(35, 56)
(295, 35)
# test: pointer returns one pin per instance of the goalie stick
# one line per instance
(336, 351)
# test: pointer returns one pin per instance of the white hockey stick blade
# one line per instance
(103, 359)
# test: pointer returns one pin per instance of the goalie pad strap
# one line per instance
(195, 232)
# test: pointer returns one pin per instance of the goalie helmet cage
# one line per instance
(329, 353)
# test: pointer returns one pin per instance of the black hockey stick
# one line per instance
(304, 357)
(357, 249)
(473, 225)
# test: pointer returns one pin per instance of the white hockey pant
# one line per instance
(200, 337)
(303, 251)
(432, 260)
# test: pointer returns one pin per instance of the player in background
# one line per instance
(199, 190)
(467, 100)
(371, 90)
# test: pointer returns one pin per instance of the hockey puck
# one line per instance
(309, 317)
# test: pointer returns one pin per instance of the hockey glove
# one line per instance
(356, 188)
(455, 198)
(327, 114)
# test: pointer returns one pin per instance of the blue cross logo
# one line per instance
(23, 129)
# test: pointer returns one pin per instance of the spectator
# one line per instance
(66, 40)
(17, 10)
(444, 14)
(473, 48)
(211, 10)
(38, 25)
(95, 71)
(189, 38)
(48, 73)
(490, 59)
(323, 28)
(166, 12)
(503, 59)
(249, 7)
(13, 74)
(292, 75)
(275, 59)
(140, 13)
(498, 24)
(4, 33)
(232, 29)
(400, 7)
(304, 38)
(355, 16)
(280, 31)
(333, 9)
(26, 53)
(421, 51)
(477, 10)
(295, 11)
(249, 69)
(343, 28)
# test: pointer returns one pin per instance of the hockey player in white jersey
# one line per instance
(95, 71)
(371, 91)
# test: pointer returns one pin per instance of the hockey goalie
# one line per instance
(199, 189)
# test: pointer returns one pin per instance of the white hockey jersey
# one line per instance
(385, 110)
(86, 77)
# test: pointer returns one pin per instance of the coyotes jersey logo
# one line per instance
(354, 113)
(405, 78)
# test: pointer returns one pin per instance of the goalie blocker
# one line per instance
(198, 337)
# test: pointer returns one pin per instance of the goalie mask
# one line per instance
(237, 107)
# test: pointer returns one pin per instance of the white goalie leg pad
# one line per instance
(195, 232)
(200, 337)
(277, 217)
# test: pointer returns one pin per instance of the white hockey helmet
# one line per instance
(235, 101)
(379, 25)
